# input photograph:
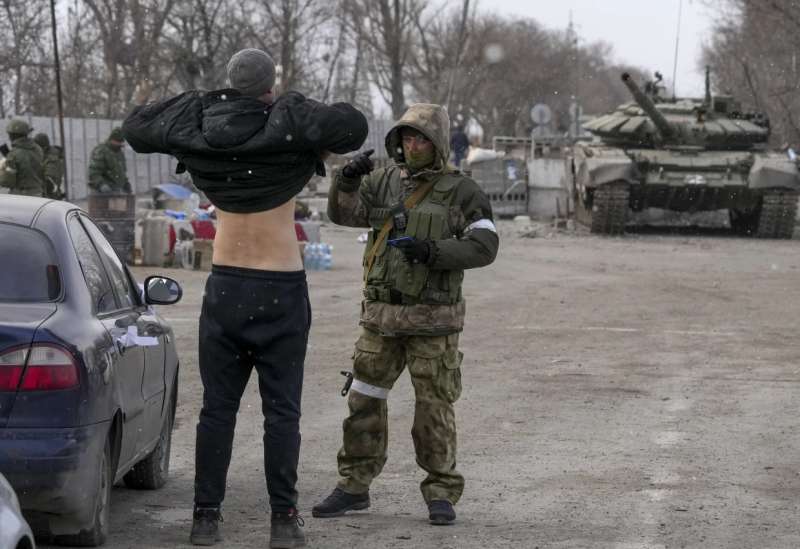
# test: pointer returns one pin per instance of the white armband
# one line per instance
(482, 224)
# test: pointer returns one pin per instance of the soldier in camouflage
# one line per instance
(107, 171)
(53, 166)
(429, 223)
(21, 170)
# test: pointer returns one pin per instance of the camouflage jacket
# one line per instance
(107, 167)
(53, 171)
(455, 216)
(22, 172)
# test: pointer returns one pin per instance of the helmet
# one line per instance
(116, 135)
(18, 127)
(42, 140)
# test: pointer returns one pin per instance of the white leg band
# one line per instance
(369, 390)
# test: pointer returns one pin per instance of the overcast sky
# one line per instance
(642, 32)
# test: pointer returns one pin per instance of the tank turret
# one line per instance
(647, 105)
(713, 122)
(684, 155)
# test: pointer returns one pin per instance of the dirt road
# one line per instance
(619, 393)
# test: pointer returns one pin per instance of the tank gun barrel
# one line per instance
(647, 105)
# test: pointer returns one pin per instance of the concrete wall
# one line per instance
(546, 187)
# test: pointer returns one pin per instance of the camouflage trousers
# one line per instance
(434, 365)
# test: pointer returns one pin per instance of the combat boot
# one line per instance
(285, 532)
(441, 512)
(338, 503)
(205, 526)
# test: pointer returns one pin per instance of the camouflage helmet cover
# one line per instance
(18, 127)
(42, 140)
(116, 135)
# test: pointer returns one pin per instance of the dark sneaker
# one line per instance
(441, 512)
(205, 526)
(338, 503)
(285, 532)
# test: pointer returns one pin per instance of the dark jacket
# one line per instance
(459, 142)
(246, 156)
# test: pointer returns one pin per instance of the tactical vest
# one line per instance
(392, 278)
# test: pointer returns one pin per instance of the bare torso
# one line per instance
(262, 240)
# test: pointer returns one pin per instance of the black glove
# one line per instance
(360, 164)
(416, 251)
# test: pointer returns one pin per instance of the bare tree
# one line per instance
(443, 38)
(23, 26)
(289, 30)
(482, 67)
(200, 39)
(385, 28)
(130, 31)
(754, 52)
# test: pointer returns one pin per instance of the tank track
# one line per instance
(610, 208)
(778, 214)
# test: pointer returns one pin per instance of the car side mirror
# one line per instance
(160, 290)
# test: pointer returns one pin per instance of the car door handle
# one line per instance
(127, 320)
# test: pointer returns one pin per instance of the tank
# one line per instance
(686, 155)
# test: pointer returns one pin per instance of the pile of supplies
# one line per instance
(179, 230)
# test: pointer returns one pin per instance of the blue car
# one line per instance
(88, 370)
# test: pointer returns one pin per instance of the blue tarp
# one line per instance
(174, 190)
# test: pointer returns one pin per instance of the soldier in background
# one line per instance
(22, 168)
(53, 164)
(107, 171)
(429, 223)
(459, 143)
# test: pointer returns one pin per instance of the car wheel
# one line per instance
(152, 472)
(96, 535)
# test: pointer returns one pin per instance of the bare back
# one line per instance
(261, 240)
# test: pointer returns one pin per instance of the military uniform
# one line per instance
(22, 170)
(412, 313)
(53, 164)
(107, 170)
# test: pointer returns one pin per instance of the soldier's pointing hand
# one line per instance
(360, 164)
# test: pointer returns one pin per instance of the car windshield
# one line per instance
(29, 270)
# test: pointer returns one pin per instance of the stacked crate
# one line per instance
(115, 214)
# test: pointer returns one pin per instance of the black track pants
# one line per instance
(260, 319)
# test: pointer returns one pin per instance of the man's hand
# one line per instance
(415, 251)
(360, 164)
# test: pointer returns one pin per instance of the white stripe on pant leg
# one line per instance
(369, 390)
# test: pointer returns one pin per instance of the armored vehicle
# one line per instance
(685, 155)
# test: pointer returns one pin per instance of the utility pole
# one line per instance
(677, 39)
(58, 91)
(575, 109)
